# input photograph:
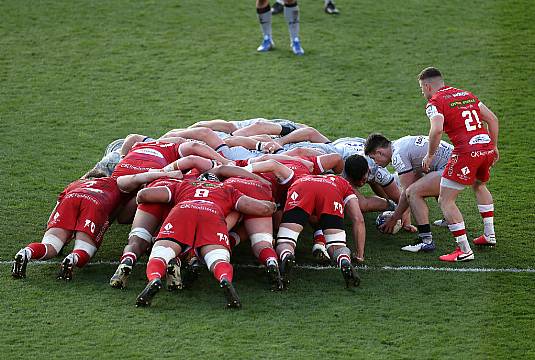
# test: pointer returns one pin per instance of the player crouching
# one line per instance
(325, 196)
(82, 213)
(197, 222)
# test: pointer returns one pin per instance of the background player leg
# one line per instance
(51, 244)
(341, 255)
(485, 206)
(139, 241)
(84, 249)
(217, 259)
(260, 232)
(291, 14)
(453, 216)
(264, 17)
(286, 243)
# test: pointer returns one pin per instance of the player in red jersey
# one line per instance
(83, 212)
(197, 222)
(326, 197)
(460, 114)
(259, 229)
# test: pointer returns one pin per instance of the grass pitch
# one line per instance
(76, 75)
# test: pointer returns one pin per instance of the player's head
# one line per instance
(94, 174)
(379, 148)
(356, 169)
(207, 176)
(430, 80)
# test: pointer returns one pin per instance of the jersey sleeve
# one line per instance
(348, 192)
(401, 162)
(235, 195)
(433, 108)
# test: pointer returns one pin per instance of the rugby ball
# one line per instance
(383, 217)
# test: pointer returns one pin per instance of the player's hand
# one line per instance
(410, 228)
(426, 163)
(388, 226)
(497, 156)
(406, 223)
(270, 147)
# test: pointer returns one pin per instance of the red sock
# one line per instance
(319, 238)
(38, 250)
(222, 270)
(267, 254)
(129, 255)
(83, 257)
(156, 268)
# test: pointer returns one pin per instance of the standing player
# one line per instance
(329, 7)
(406, 155)
(83, 213)
(291, 13)
(460, 114)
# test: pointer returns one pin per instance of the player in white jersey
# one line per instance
(406, 155)
(250, 127)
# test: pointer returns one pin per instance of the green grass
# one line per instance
(76, 75)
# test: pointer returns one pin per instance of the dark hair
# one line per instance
(356, 167)
(94, 173)
(375, 141)
(208, 176)
(429, 72)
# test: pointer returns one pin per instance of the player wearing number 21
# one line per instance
(461, 115)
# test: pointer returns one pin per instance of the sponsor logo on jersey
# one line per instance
(465, 170)
(460, 93)
(431, 111)
(480, 139)
(98, 191)
(294, 196)
(462, 103)
(168, 227)
(151, 152)
(481, 153)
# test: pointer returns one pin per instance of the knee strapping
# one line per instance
(286, 235)
(261, 237)
(53, 241)
(335, 239)
(141, 233)
(90, 249)
(216, 255)
(162, 252)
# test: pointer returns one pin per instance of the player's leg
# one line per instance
(162, 253)
(278, 7)
(263, 11)
(140, 238)
(85, 248)
(341, 255)
(51, 244)
(260, 232)
(292, 223)
(217, 259)
(259, 128)
(291, 14)
(304, 134)
(485, 206)
(426, 186)
(449, 190)
(216, 125)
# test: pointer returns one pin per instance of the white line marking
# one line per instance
(313, 267)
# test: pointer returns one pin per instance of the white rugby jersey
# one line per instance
(409, 151)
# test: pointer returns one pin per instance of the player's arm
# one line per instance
(304, 134)
(191, 162)
(352, 209)
(195, 148)
(250, 206)
(130, 141)
(281, 171)
(492, 124)
(435, 133)
(332, 162)
(157, 194)
(282, 157)
(131, 183)
(406, 179)
(227, 171)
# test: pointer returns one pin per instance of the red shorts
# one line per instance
(467, 167)
(78, 212)
(195, 224)
(158, 210)
(315, 199)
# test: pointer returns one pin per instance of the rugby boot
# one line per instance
(65, 269)
(485, 241)
(145, 297)
(119, 279)
(173, 279)
(191, 272)
(349, 273)
(457, 255)
(274, 276)
(233, 301)
(286, 267)
(319, 252)
(18, 269)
